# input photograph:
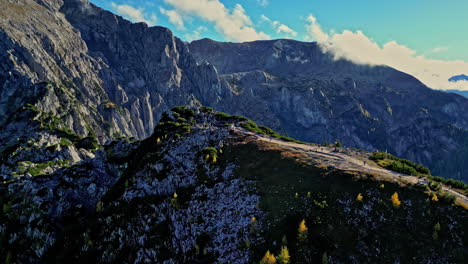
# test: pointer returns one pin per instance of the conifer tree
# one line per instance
(284, 257)
(268, 258)
(359, 197)
(325, 258)
(395, 200)
(302, 231)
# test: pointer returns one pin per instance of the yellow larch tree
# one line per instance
(359, 197)
(268, 258)
(395, 200)
(302, 231)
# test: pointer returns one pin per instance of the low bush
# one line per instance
(400, 165)
(227, 117)
(210, 151)
(393, 163)
(89, 143)
(251, 126)
(183, 111)
(446, 197)
(206, 109)
(210, 154)
(65, 142)
(450, 182)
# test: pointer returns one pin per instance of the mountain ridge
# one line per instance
(371, 97)
(108, 156)
(203, 189)
(456, 78)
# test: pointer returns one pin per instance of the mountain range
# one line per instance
(457, 78)
(120, 143)
(462, 93)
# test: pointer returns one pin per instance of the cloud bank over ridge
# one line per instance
(134, 14)
(357, 47)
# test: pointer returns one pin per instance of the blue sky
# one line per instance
(433, 28)
(426, 38)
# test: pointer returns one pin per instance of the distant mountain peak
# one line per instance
(457, 78)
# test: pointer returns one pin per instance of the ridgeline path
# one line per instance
(343, 159)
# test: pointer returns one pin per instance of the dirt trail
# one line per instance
(336, 158)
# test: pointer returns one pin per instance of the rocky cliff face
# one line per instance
(150, 70)
(126, 74)
(68, 66)
(294, 87)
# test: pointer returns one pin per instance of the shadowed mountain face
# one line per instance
(72, 67)
(308, 95)
(462, 93)
(461, 77)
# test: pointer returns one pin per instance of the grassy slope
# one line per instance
(346, 231)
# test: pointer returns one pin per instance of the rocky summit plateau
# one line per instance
(121, 143)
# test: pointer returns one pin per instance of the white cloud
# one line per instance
(174, 17)
(265, 18)
(439, 49)
(314, 29)
(233, 24)
(357, 47)
(278, 27)
(285, 29)
(134, 14)
(263, 2)
(196, 34)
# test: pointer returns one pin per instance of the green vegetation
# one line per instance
(171, 126)
(89, 143)
(206, 109)
(450, 182)
(28, 167)
(183, 122)
(227, 117)
(338, 144)
(393, 163)
(65, 142)
(251, 126)
(210, 151)
(183, 112)
(399, 165)
(210, 154)
(336, 226)
(446, 197)
(55, 125)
